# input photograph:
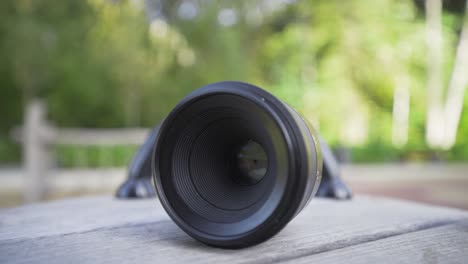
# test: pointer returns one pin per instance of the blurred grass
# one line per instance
(10, 152)
(94, 156)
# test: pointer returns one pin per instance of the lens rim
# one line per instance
(304, 164)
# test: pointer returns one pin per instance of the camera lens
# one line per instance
(233, 164)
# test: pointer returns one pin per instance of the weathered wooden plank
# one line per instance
(325, 225)
(80, 136)
(445, 244)
(76, 215)
(87, 136)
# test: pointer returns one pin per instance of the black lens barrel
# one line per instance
(232, 164)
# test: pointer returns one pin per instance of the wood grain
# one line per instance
(76, 215)
(445, 244)
(108, 231)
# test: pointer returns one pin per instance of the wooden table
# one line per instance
(106, 230)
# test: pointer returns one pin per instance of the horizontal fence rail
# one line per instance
(38, 136)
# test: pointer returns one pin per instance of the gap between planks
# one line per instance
(364, 240)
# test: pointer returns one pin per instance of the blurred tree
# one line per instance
(347, 73)
(356, 68)
(457, 86)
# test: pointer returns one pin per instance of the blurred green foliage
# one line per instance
(101, 63)
(93, 156)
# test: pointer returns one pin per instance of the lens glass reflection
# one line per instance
(252, 163)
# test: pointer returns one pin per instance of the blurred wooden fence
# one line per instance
(438, 183)
(38, 137)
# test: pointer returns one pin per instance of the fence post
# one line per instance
(36, 160)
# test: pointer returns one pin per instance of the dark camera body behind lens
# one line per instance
(233, 165)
